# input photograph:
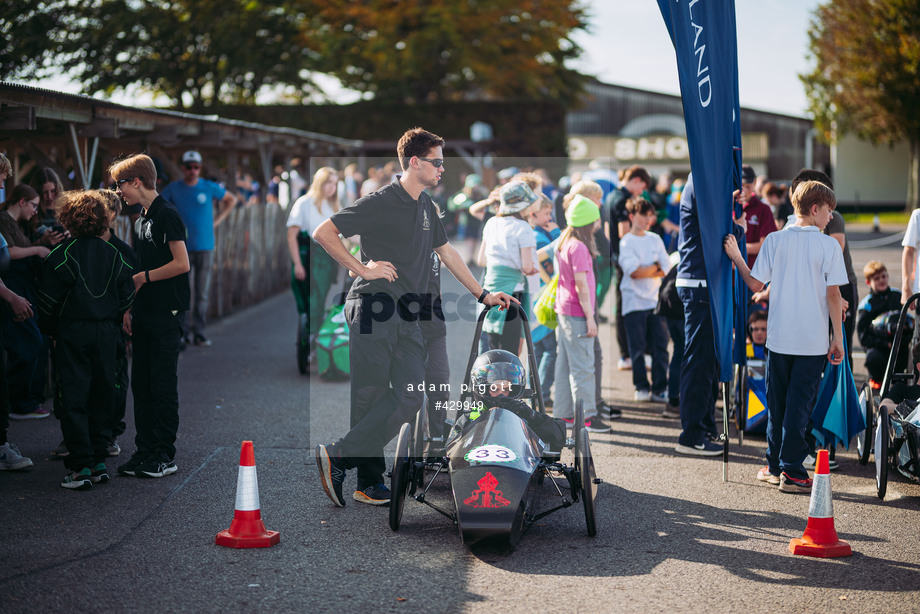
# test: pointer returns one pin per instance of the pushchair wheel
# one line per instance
(864, 439)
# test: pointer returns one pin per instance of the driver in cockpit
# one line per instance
(497, 379)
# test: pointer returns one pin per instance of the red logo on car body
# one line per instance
(488, 494)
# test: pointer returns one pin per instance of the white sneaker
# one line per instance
(624, 364)
(12, 459)
(659, 397)
(643, 396)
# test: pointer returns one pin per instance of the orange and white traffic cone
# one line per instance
(247, 529)
(820, 537)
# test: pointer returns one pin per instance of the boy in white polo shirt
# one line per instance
(805, 269)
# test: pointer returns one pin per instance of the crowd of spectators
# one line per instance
(595, 232)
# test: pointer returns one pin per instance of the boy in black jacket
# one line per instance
(881, 299)
(85, 290)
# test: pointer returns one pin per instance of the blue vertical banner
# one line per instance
(705, 39)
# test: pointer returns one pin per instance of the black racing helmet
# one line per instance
(497, 373)
(885, 325)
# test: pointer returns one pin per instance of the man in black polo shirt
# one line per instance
(399, 228)
(154, 321)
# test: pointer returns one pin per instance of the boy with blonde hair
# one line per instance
(805, 269)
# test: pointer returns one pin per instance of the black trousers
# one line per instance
(850, 294)
(155, 381)
(85, 357)
(387, 360)
(437, 371)
(121, 384)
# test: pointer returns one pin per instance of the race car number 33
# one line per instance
(491, 453)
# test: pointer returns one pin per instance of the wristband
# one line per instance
(147, 276)
(482, 296)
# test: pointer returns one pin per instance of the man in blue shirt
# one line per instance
(194, 198)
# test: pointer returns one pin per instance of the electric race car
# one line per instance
(502, 454)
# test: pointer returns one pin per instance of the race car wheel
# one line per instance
(421, 432)
(578, 424)
(864, 439)
(303, 345)
(399, 476)
(881, 452)
(584, 463)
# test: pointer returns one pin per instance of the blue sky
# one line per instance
(628, 44)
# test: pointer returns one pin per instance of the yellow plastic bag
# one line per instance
(545, 307)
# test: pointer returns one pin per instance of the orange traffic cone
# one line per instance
(247, 529)
(820, 537)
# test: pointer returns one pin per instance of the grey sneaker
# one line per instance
(12, 459)
(671, 411)
(113, 449)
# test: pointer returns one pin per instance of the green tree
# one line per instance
(195, 52)
(202, 52)
(426, 50)
(867, 75)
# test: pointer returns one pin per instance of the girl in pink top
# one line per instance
(575, 303)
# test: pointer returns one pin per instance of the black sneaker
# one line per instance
(707, 448)
(201, 340)
(331, 472)
(594, 424)
(78, 480)
(100, 474)
(130, 468)
(156, 467)
(378, 494)
(609, 412)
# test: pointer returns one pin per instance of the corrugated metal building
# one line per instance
(619, 126)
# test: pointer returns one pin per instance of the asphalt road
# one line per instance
(672, 535)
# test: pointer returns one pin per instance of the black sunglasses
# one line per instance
(118, 183)
(436, 162)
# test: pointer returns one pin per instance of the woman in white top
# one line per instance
(312, 286)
